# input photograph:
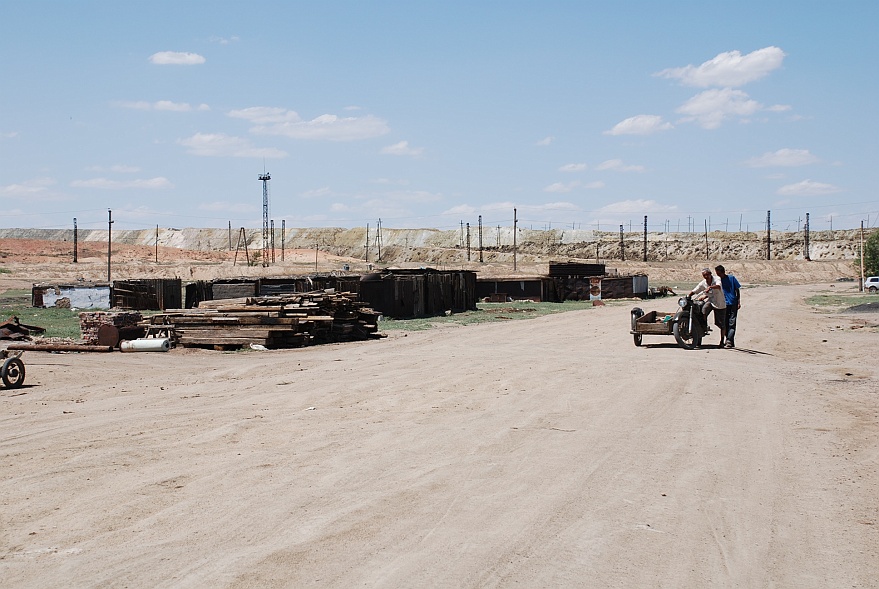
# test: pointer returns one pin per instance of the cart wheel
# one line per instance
(12, 373)
(638, 338)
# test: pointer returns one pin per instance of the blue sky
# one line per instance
(426, 114)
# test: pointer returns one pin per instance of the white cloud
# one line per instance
(808, 188)
(28, 188)
(9, 134)
(545, 141)
(783, 157)
(402, 148)
(288, 123)
(222, 145)
(224, 40)
(173, 106)
(176, 58)
(163, 105)
(561, 187)
(572, 168)
(462, 210)
(639, 206)
(135, 105)
(106, 183)
(617, 165)
(262, 115)
(594, 185)
(640, 125)
(710, 108)
(317, 192)
(728, 69)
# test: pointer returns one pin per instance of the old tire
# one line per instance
(682, 334)
(872, 289)
(638, 338)
(12, 373)
(636, 313)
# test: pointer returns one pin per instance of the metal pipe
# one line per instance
(146, 345)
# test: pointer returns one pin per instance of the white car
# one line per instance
(872, 283)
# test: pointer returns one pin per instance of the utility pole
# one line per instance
(707, 255)
(645, 238)
(283, 234)
(272, 222)
(157, 244)
(862, 257)
(366, 257)
(109, 240)
(378, 239)
(75, 244)
(468, 241)
(230, 236)
(480, 239)
(806, 239)
(622, 245)
(768, 238)
(515, 221)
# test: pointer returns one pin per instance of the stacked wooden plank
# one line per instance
(281, 321)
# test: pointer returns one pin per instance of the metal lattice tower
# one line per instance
(264, 178)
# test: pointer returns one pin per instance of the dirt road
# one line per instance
(549, 452)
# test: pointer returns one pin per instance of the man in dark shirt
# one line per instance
(733, 299)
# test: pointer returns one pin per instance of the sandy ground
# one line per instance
(548, 452)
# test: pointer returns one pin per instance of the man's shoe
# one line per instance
(728, 345)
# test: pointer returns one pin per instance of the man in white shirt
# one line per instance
(711, 291)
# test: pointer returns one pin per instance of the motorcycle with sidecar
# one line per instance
(688, 324)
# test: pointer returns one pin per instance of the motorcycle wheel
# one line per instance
(682, 334)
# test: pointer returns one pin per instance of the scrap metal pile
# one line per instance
(280, 321)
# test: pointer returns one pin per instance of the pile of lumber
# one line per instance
(280, 321)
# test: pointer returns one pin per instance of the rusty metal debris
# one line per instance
(13, 329)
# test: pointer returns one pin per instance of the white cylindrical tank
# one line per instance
(146, 345)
